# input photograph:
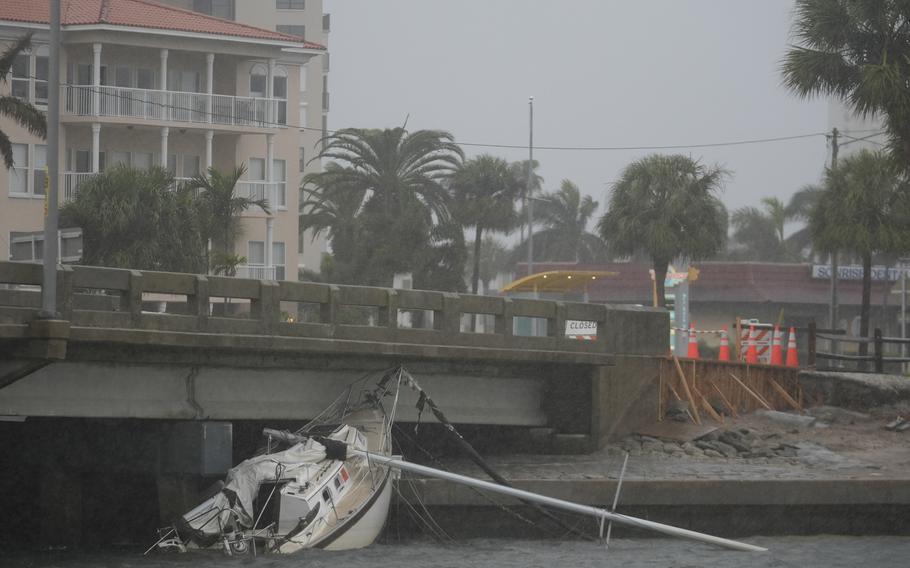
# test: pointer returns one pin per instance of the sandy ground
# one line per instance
(838, 445)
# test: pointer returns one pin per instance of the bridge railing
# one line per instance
(95, 297)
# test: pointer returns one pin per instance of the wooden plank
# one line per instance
(784, 394)
(726, 402)
(755, 395)
(660, 396)
(682, 377)
(707, 405)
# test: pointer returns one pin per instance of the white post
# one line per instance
(210, 83)
(209, 136)
(269, 174)
(96, 147)
(162, 77)
(164, 134)
(96, 79)
(270, 93)
(51, 232)
(162, 86)
(269, 239)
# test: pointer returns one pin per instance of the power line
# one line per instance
(265, 123)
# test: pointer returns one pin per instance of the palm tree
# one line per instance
(333, 210)
(666, 207)
(484, 193)
(494, 256)
(131, 219)
(864, 209)
(393, 165)
(759, 232)
(399, 178)
(564, 215)
(222, 206)
(859, 52)
(22, 112)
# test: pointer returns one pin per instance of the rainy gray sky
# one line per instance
(602, 73)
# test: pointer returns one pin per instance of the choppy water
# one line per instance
(797, 552)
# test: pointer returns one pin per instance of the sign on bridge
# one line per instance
(580, 329)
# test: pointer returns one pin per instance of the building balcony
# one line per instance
(273, 192)
(256, 272)
(72, 181)
(171, 106)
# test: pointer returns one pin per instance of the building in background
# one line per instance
(150, 84)
(305, 19)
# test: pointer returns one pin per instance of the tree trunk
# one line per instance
(867, 301)
(660, 276)
(478, 232)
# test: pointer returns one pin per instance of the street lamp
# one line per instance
(528, 198)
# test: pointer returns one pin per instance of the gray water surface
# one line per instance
(797, 552)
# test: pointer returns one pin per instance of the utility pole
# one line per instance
(49, 281)
(528, 200)
(832, 308)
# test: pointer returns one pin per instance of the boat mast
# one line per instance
(557, 503)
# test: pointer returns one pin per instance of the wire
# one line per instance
(264, 123)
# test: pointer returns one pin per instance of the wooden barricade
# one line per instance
(715, 389)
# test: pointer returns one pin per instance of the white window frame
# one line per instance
(281, 184)
(31, 73)
(283, 259)
(29, 170)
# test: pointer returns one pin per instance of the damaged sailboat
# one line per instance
(332, 487)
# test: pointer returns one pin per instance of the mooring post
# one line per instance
(811, 357)
(879, 354)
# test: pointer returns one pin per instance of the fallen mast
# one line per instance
(595, 512)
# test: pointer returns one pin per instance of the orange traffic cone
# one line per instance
(693, 343)
(792, 357)
(777, 353)
(751, 352)
(724, 354)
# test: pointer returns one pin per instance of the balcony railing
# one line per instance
(71, 183)
(171, 106)
(256, 271)
(256, 190)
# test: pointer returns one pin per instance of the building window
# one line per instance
(258, 80)
(218, 8)
(280, 177)
(27, 176)
(256, 253)
(18, 175)
(21, 76)
(29, 247)
(42, 69)
(294, 30)
(280, 91)
(290, 4)
(278, 259)
(326, 23)
(39, 169)
(192, 166)
(301, 159)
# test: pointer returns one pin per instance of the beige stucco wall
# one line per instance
(230, 148)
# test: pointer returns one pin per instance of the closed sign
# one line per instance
(580, 329)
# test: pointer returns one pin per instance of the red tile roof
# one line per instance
(137, 14)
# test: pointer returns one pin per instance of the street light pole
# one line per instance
(49, 282)
(529, 202)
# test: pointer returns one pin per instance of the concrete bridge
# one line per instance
(236, 349)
